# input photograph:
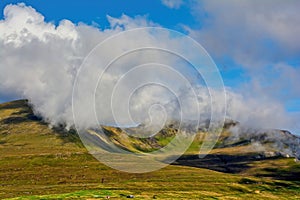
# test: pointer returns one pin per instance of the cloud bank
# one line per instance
(39, 61)
(251, 32)
(260, 37)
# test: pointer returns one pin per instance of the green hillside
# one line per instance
(37, 162)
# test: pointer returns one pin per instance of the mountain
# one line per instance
(38, 160)
(236, 149)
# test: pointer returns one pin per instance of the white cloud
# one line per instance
(39, 61)
(251, 32)
(260, 36)
(23, 23)
(174, 4)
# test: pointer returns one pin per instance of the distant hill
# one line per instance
(269, 142)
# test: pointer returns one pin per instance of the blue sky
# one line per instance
(255, 44)
(96, 11)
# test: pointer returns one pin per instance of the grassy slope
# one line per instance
(35, 160)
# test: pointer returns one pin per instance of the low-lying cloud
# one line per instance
(40, 61)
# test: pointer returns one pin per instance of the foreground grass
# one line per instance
(39, 163)
(27, 177)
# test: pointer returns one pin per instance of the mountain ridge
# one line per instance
(37, 160)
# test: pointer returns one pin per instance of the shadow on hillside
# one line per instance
(25, 114)
(289, 174)
(14, 104)
(68, 136)
(21, 119)
(239, 163)
(62, 133)
(217, 162)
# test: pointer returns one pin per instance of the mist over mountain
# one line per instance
(46, 78)
(258, 143)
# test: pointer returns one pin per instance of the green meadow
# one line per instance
(37, 162)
